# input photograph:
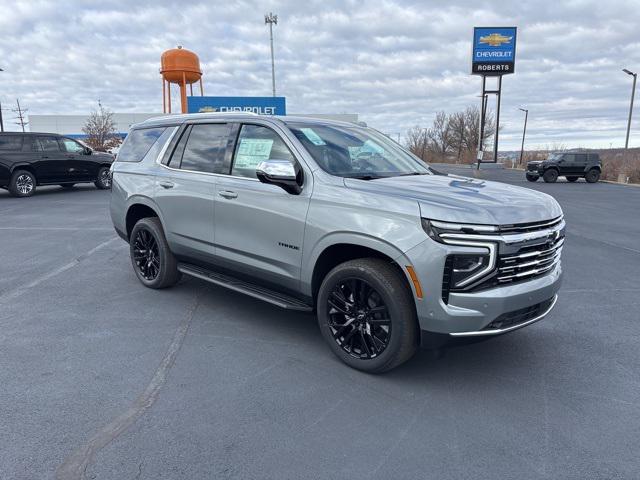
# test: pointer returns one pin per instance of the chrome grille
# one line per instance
(529, 262)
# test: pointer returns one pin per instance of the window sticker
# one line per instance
(312, 136)
(252, 151)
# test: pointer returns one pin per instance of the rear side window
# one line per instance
(138, 143)
(11, 142)
(48, 144)
(581, 158)
(205, 148)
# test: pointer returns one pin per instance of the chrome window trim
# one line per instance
(498, 331)
(164, 148)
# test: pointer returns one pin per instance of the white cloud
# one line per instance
(395, 63)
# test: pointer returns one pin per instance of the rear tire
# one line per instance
(592, 175)
(572, 179)
(532, 178)
(22, 183)
(550, 176)
(152, 260)
(375, 329)
(104, 180)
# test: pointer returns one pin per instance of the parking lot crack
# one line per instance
(76, 464)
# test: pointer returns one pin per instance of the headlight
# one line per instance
(435, 228)
(465, 268)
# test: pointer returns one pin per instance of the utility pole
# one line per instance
(21, 121)
(272, 20)
(524, 131)
(633, 92)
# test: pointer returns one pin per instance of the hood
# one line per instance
(466, 200)
(102, 155)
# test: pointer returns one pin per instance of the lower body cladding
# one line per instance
(458, 316)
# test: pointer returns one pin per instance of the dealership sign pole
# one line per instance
(493, 55)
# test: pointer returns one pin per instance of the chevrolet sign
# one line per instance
(494, 50)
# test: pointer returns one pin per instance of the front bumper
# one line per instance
(470, 314)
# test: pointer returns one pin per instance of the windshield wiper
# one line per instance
(367, 177)
(412, 173)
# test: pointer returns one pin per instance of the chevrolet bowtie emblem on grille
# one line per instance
(495, 39)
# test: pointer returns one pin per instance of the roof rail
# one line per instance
(195, 115)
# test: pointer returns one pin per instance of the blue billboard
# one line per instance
(259, 105)
(494, 50)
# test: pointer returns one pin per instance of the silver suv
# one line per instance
(335, 218)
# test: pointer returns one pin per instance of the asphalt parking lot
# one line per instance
(102, 378)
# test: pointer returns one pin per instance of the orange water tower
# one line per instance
(180, 66)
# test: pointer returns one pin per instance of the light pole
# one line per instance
(524, 131)
(633, 92)
(1, 122)
(272, 19)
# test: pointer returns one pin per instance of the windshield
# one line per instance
(554, 156)
(356, 152)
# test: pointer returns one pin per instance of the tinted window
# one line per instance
(205, 148)
(49, 144)
(72, 146)
(581, 159)
(138, 143)
(176, 157)
(256, 144)
(569, 158)
(11, 142)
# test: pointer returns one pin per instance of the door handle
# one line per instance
(228, 194)
(167, 184)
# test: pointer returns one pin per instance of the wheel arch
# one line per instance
(340, 248)
(140, 207)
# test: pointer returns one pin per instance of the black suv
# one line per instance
(30, 159)
(571, 165)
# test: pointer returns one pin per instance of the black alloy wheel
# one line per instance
(592, 175)
(550, 176)
(359, 319)
(146, 254)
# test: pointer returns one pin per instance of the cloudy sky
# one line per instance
(393, 62)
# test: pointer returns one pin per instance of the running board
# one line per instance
(255, 291)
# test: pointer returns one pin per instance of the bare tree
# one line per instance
(417, 141)
(100, 130)
(439, 136)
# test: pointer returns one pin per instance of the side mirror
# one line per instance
(281, 173)
(87, 151)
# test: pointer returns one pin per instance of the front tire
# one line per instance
(152, 260)
(22, 184)
(366, 314)
(550, 176)
(104, 179)
(592, 175)
(532, 178)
